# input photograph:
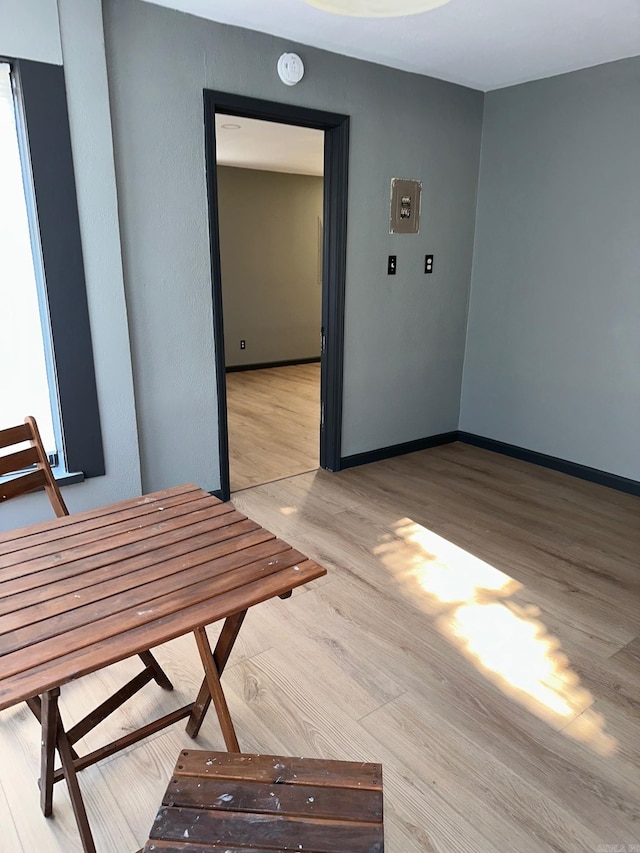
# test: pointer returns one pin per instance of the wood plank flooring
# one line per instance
(274, 423)
(478, 634)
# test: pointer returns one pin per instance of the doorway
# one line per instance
(333, 244)
(270, 200)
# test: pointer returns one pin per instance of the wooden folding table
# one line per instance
(87, 590)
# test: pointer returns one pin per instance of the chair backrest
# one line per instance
(16, 461)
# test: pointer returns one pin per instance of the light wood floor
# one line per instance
(478, 633)
(274, 423)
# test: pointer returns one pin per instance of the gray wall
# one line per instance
(29, 29)
(271, 284)
(404, 336)
(71, 31)
(553, 349)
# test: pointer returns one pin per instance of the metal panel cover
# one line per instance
(405, 206)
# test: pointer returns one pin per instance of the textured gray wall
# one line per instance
(404, 335)
(29, 29)
(553, 350)
(72, 30)
(269, 247)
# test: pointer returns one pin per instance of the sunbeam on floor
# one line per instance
(471, 604)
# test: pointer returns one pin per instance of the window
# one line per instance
(24, 378)
(42, 278)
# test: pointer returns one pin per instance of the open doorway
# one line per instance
(270, 208)
(332, 237)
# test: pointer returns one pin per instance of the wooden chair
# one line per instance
(31, 471)
(16, 462)
(231, 801)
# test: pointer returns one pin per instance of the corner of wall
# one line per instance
(473, 261)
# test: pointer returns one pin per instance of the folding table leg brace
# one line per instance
(54, 736)
(214, 665)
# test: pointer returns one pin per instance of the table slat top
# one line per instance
(86, 590)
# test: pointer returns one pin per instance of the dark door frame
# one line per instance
(336, 164)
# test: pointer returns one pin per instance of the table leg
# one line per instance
(75, 794)
(49, 723)
(224, 646)
(212, 677)
(54, 737)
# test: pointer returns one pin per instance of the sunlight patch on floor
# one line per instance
(472, 607)
(288, 510)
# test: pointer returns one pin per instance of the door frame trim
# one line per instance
(334, 252)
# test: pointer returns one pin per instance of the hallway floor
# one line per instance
(274, 423)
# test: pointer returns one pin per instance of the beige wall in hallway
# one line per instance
(271, 267)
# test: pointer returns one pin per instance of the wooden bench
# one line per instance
(241, 803)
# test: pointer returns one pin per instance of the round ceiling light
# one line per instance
(230, 126)
(376, 8)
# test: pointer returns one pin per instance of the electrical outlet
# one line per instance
(428, 263)
(391, 265)
(243, 345)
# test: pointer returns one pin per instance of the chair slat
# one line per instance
(18, 460)
(15, 435)
(22, 485)
(290, 771)
(341, 802)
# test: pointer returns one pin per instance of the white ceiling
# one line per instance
(269, 145)
(485, 44)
